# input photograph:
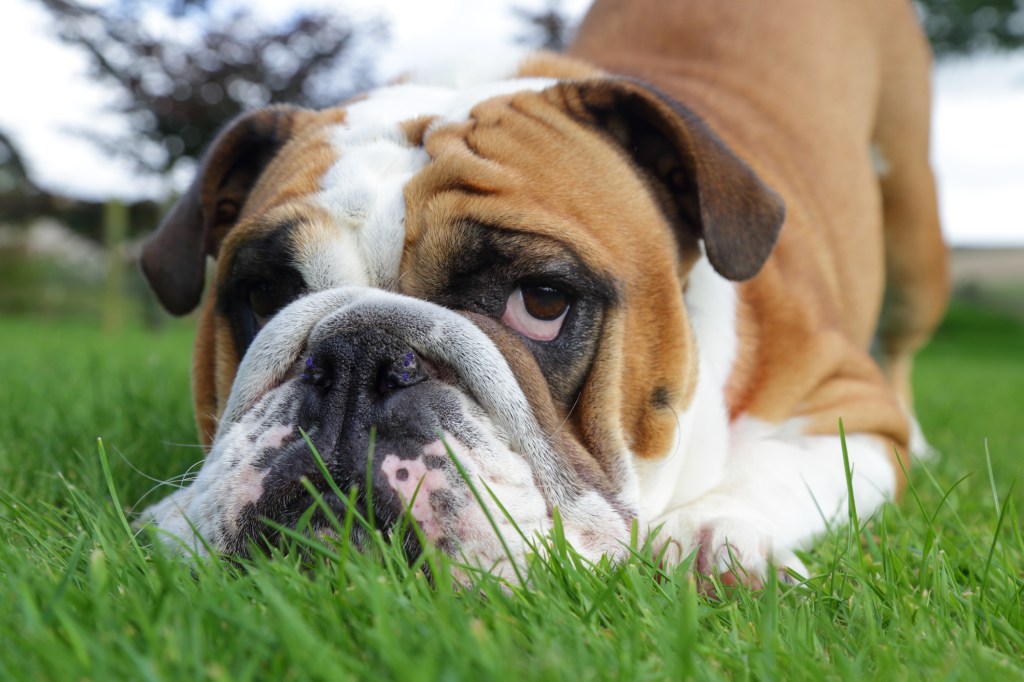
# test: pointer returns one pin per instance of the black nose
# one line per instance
(394, 373)
(351, 373)
(363, 396)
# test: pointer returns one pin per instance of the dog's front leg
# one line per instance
(778, 493)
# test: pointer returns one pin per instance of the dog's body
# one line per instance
(543, 274)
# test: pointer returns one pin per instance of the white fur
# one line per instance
(749, 492)
(448, 67)
(398, 103)
(711, 305)
(697, 460)
(362, 191)
(919, 446)
(779, 491)
(226, 483)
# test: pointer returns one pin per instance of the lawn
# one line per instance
(932, 588)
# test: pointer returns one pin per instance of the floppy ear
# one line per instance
(705, 190)
(174, 257)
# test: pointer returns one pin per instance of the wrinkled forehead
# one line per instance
(372, 139)
(337, 187)
(392, 106)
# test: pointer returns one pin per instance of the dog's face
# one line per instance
(493, 276)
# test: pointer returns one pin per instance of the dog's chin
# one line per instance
(266, 473)
(392, 414)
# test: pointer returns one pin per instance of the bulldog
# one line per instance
(633, 286)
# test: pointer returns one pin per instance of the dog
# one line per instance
(637, 285)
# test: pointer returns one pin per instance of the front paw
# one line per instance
(736, 550)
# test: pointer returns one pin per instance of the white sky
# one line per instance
(978, 130)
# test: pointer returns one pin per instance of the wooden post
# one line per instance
(115, 227)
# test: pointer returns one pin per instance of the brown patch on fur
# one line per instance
(281, 193)
(297, 170)
(554, 421)
(483, 173)
(174, 257)
(806, 321)
(415, 129)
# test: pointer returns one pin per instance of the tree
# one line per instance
(961, 26)
(181, 69)
(13, 175)
(549, 29)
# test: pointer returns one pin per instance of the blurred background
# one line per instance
(105, 106)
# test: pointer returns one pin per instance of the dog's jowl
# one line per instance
(634, 284)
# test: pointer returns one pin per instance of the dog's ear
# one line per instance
(704, 188)
(174, 257)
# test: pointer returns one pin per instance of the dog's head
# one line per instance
(495, 273)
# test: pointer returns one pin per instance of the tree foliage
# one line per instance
(548, 29)
(962, 26)
(13, 174)
(180, 69)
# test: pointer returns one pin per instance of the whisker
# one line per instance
(178, 482)
(142, 473)
(569, 413)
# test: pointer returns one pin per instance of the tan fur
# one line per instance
(800, 90)
(611, 184)
(282, 192)
(554, 420)
(206, 402)
(480, 173)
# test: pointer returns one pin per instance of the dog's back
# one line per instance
(829, 102)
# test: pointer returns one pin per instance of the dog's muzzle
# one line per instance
(396, 395)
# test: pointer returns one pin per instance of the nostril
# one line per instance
(318, 372)
(401, 372)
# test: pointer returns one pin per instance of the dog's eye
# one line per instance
(536, 311)
(544, 303)
(264, 301)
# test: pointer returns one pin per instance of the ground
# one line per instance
(931, 588)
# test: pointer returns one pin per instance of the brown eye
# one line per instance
(536, 311)
(544, 302)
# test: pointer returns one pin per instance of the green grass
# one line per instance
(933, 588)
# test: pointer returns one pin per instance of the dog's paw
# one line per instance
(919, 445)
(741, 555)
(735, 550)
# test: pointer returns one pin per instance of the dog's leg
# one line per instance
(917, 278)
(779, 492)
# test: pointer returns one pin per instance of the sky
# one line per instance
(978, 130)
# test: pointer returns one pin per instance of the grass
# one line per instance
(931, 588)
